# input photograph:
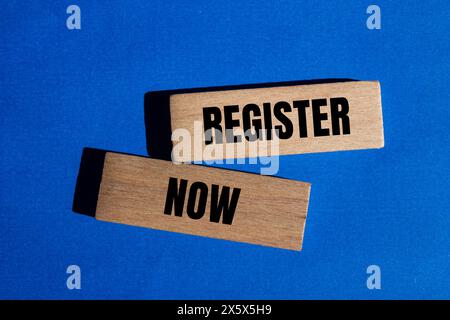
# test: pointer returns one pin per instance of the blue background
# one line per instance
(62, 90)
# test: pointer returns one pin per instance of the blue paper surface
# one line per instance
(62, 90)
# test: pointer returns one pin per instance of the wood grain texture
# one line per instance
(270, 211)
(365, 116)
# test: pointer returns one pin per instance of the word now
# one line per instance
(197, 200)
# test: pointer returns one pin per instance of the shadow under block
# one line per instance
(202, 201)
(310, 118)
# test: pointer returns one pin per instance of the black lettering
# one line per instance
(223, 204)
(209, 124)
(230, 123)
(255, 124)
(175, 196)
(318, 117)
(278, 113)
(268, 120)
(342, 114)
(301, 106)
(203, 188)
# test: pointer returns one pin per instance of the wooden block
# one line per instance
(310, 118)
(192, 199)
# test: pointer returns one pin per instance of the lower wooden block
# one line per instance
(192, 199)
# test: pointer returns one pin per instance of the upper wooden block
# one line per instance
(309, 118)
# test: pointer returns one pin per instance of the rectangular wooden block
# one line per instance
(202, 201)
(309, 118)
